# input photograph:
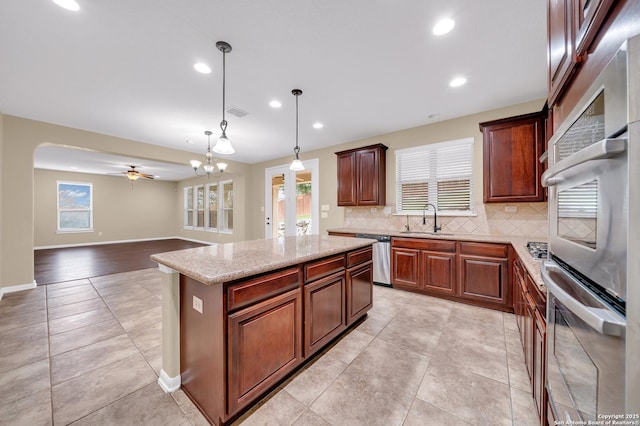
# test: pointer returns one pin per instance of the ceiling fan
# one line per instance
(132, 174)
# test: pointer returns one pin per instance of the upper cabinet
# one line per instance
(572, 26)
(362, 176)
(511, 151)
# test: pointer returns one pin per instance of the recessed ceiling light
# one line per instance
(190, 142)
(73, 168)
(443, 26)
(203, 68)
(275, 104)
(434, 115)
(68, 4)
(318, 125)
(458, 81)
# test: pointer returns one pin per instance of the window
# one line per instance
(202, 204)
(440, 174)
(75, 207)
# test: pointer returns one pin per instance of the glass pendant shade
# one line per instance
(296, 165)
(208, 168)
(132, 176)
(222, 167)
(223, 146)
(195, 163)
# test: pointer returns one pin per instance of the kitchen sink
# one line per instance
(426, 233)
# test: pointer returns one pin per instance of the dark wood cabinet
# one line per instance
(404, 267)
(530, 307)
(359, 291)
(484, 273)
(561, 50)
(325, 311)
(265, 344)
(511, 151)
(438, 272)
(362, 176)
(589, 16)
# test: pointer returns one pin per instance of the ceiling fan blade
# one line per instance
(145, 176)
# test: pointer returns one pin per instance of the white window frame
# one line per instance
(221, 210)
(186, 210)
(209, 227)
(61, 230)
(434, 170)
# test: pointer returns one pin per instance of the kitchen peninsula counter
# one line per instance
(238, 318)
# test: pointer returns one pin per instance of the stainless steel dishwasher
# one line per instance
(381, 258)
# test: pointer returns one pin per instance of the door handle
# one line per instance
(602, 320)
(606, 148)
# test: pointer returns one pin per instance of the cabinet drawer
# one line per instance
(484, 249)
(323, 267)
(425, 244)
(260, 288)
(359, 256)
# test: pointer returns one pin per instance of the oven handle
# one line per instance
(601, 320)
(606, 148)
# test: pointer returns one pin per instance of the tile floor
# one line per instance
(87, 352)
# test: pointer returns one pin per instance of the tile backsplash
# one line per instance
(528, 220)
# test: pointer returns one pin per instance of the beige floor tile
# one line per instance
(71, 322)
(23, 381)
(147, 406)
(398, 368)
(153, 356)
(52, 293)
(61, 311)
(22, 301)
(422, 413)
(189, 409)
(69, 340)
(137, 321)
(509, 321)
(524, 409)
(309, 418)
(33, 410)
(100, 354)
(134, 305)
(374, 323)
(312, 381)
(473, 397)
(98, 388)
(73, 298)
(67, 284)
(146, 339)
(280, 409)
(518, 376)
(477, 332)
(350, 346)
(134, 292)
(361, 398)
(473, 356)
(413, 333)
(23, 345)
(22, 319)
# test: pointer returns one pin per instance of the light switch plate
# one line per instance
(324, 215)
(197, 304)
(324, 207)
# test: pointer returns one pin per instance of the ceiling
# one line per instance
(366, 67)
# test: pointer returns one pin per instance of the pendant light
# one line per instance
(208, 166)
(223, 145)
(296, 165)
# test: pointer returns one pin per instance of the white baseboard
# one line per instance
(14, 288)
(168, 384)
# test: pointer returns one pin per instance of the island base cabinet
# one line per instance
(264, 345)
(359, 292)
(201, 336)
(325, 317)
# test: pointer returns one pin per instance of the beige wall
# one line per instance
(20, 139)
(1, 197)
(438, 132)
(121, 211)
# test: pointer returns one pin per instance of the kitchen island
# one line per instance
(240, 317)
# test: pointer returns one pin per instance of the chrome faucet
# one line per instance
(436, 228)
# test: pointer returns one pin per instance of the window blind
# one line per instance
(441, 174)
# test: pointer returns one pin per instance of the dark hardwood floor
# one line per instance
(74, 263)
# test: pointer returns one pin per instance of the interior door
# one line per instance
(291, 200)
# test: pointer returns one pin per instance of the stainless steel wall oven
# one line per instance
(586, 275)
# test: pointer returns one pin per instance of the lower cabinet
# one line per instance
(529, 307)
(359, 291)
(325, 311)
(265, 344)
(471, 272)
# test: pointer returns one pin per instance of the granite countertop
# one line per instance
(221, 263)
(519, 244)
